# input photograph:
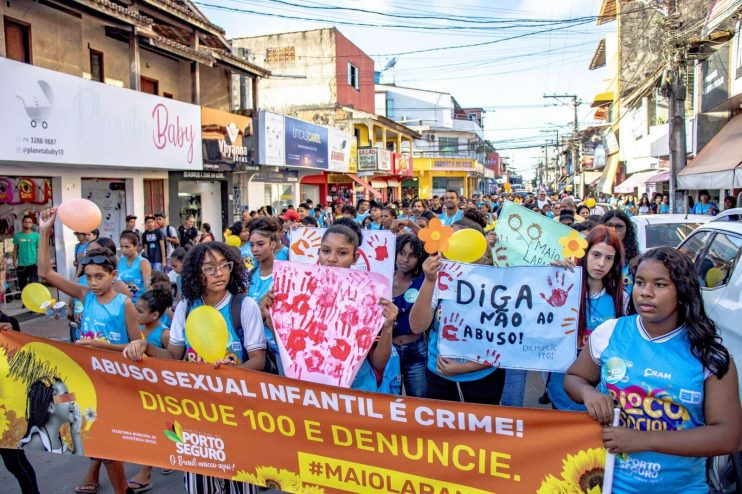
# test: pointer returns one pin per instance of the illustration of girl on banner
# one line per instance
(49, 406)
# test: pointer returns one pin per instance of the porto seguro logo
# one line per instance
(195, 444)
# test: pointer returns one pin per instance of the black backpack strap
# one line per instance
(235, 313)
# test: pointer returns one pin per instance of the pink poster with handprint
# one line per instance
(376, 253)
(521, 317)
(325, 319)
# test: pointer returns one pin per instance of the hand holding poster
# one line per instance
(305, 438)
(325, 320)
(516, 318)
(525, 238)
(376, 253)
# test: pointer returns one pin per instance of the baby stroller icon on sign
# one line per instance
(38, 111)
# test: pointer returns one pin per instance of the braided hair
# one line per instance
(40, 395)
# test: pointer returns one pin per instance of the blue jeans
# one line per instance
(515, 388)
(413, 358)
(156, 266)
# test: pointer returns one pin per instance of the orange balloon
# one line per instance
(80, 215)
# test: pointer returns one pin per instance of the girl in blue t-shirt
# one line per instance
(151, 306)
(603, 299)
(108, 320)
(626, 231)
(667, 372)
(447, 378)
(262, 238)
(133, 269)
(408, 278)
(380, 370)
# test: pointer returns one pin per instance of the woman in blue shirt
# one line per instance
(134, 270)
(667, 372)
(412, 348)
(624, 228)
(447, 378)
(603, 297)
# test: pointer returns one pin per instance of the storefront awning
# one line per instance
(605, 184)
(636, 180)
(365, 185)
(719, 164)
(602, 99)
(660, 177)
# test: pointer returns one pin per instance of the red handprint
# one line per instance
(451, 326)
(491, 358)
(450, 272)
(381, 251)
(558, 296)
(500, 256)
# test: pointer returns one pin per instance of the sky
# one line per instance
(508, 78)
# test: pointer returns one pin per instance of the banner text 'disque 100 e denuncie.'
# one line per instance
(300, 437)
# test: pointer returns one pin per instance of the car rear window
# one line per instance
(668, 234)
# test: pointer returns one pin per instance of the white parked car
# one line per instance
(665, 230)
(716, 250)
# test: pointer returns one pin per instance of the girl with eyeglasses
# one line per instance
(619, 222)
(108, 321)
(213, 274)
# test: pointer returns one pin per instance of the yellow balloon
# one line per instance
(233, 240)
(466, 245)
(35, 294)
(206, 331)
(590, 202)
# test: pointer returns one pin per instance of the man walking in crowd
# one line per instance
(154, 243)
(362, 210)
(435, 205)
(25, 246)
(187, 232)
(169, 233)
(131, 224)
(452, 214)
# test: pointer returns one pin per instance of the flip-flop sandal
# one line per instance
(89, 488)
(137, 487)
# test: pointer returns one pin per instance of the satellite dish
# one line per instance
(391, 63)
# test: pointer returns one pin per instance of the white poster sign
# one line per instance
(340, 146)
(273, 152)
(517, 318)
(377, 250)
(52, 117)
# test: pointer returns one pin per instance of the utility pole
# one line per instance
(575, 145)
(673, 88)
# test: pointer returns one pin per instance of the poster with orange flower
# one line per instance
(522, 317)
(525, 238)
(301, 437)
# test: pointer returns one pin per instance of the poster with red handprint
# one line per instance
(325, 319)
(521, 317)
(376, 253)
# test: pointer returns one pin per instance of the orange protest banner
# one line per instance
(297, 436)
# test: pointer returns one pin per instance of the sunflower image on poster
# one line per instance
(274, 478)
(48, 402)
(582, 473)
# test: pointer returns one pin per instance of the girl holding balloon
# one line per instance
(450, 379)
(213, 276)
(108, 321)
(133, 269)
(339, 248)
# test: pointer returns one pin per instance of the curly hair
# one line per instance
(416, 245)
(476, 216)
(705, 342)
(193, 281)
(267, 224)
(158, 299)
(630, 244)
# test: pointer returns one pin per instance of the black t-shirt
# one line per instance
(187, 235)
(437, 211)
(151, 241)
